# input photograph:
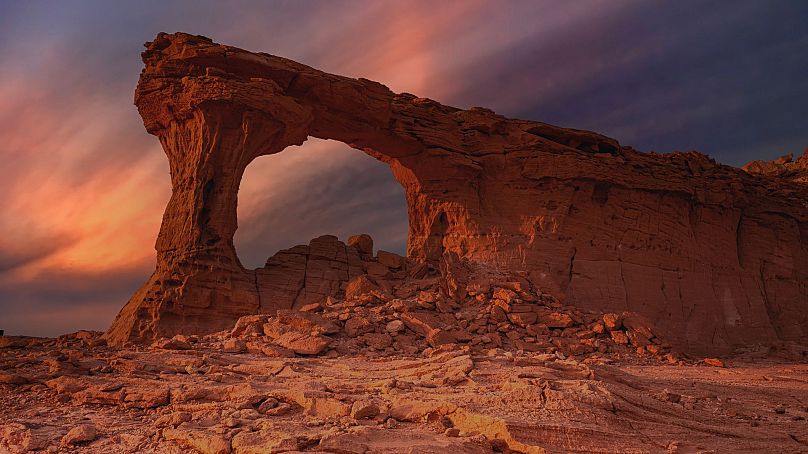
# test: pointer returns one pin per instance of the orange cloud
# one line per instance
(75, 178)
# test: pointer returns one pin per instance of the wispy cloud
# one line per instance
(84, 186)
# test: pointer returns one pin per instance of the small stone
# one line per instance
(358, 286)
(394, 327)
(671, 358)
(619, 337)
(599, 328)
(231, 422)
(780, 410)
(358, 325)
(438, 337)
(364, 409)
(452, 432)
(377, 341)
(669, 396)
(203, 441)
(268, 404)
(270, 350)
(523, 319)
(362, 243)
(505, 295)
(612, 321)
(311, 307)
(279, 410)
(234, 346)
(498, 314)
(498, 445)
(174, 343)
(715, 362)
(80, 434)
(303, 343)
(557, 320)
(637, 338)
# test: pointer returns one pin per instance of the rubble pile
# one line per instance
(401, 307)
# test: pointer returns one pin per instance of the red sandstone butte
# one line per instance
(713, 256)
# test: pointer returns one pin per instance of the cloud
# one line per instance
(63, 300)
(15, 255)
(663, 77)
(84, 186)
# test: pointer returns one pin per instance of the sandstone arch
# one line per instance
(714, 256)
(321, 187)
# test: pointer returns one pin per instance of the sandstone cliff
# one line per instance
(713, 256)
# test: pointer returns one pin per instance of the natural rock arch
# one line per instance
(321, 187)
(714, 256)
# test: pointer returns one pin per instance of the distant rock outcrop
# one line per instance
(714, 257)
(785, 167)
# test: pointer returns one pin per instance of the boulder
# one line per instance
(359, 286)
(437, 337)
(390, 259)
(234, 346)
(80, 434)
(556, 320)
(362, 243)
(303, 343)
(363, 409)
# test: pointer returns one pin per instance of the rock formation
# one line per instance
(713, 256)
(785, 167)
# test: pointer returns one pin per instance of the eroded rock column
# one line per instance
(199, 283)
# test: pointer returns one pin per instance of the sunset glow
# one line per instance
(84, 186)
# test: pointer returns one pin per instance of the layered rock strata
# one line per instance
(713, 256)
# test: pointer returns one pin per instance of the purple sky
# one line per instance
(84, 186)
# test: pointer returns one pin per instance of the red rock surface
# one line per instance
(785, 167)
(712, 256)
(191, 395)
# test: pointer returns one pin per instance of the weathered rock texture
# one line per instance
(715, 257)
(785, 167)
(196, 395)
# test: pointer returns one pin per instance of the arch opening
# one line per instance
(323, 187)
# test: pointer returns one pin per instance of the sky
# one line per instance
(84, 186)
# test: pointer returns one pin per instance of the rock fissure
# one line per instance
(257, 287)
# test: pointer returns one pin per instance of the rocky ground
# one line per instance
(73, 395)
(399, 365)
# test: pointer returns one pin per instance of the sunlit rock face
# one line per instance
(713, 256)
